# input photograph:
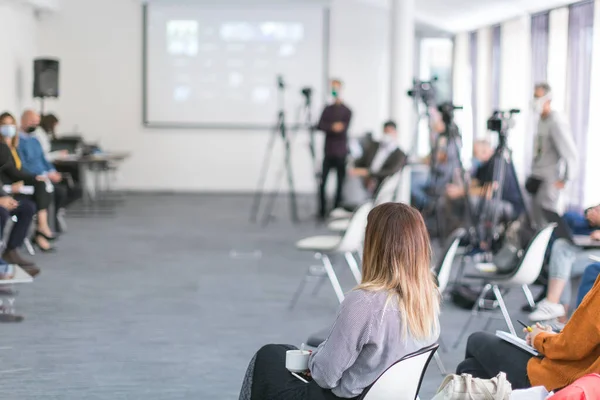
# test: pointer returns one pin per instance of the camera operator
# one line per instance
(334, 121)
(554, 147)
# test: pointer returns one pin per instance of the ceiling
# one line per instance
(466, 15)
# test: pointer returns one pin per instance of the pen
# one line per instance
(525, 326)
(299, 377)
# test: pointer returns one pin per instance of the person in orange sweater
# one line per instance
(567, 356)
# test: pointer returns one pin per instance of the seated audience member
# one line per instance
(13, 174)
(380, 159)
(566, 261)
(567, 356)
(589, 277)
(24, 211)
(47, 134)
(34, 160)
(393, 312)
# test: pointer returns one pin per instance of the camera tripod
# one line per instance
(280, 130)
(489, 210)
(453, 149)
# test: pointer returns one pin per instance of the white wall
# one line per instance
(100, 47)
(19, 47)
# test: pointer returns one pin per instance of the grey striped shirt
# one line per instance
(365, 340)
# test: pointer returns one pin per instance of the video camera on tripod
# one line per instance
(307, 93)
(447, 110)
(424, 91)
(502, 121)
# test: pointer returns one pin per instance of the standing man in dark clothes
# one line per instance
(334, 122)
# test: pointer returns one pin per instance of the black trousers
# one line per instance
(329, 163)
(271, 381)
(488, 355)
(24, 213)
(40, 197)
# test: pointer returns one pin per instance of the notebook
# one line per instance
(518, 342)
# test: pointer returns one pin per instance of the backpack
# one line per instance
(586, 388)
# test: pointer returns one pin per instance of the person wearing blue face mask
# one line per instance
(12, 173)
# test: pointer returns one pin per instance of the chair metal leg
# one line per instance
(29, 247)
(298, 292)
(474, 313)
(440, 364)
(529, 296)
(353, 266)
(443, 347)
(504, 309)
(333, 278)
(319, 285)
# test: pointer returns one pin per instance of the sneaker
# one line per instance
(546, 311)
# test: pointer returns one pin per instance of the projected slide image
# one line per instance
(219, 66)
(182, 38)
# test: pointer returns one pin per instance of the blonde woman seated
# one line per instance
(394, 312)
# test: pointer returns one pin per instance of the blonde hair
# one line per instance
(397, 258)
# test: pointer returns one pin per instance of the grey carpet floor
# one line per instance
(168, 299)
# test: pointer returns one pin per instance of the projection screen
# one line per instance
(218, 66)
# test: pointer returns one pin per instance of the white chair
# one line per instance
(324, 246)
(444, 268)
(8, 300)
(340, 218)
(402, 380)
(526, 273)
(443, 272)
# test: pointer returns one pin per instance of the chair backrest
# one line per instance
(531, 263)
(402, 380)
(355, 233)
(387, 190)
(444, 266)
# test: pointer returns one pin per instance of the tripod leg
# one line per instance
(291, 186)
(285, 169)
(262, 179)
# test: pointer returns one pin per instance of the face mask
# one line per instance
(31, 129)
(388, 139)
(334, 93)
(537, 105)
(8, 131)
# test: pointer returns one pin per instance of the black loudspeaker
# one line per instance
(45, 77)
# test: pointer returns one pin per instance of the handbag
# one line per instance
(507, 258)
(533, 184)
(465, 387)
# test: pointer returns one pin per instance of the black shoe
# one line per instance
(48, 238)
(13, 257)
(50, 249)
(33, 271)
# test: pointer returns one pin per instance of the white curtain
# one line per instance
(515, 84)
(591, 194)
(484, 80)
(558, 39)
(461, 81)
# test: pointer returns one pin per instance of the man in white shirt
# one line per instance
(379, 160)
